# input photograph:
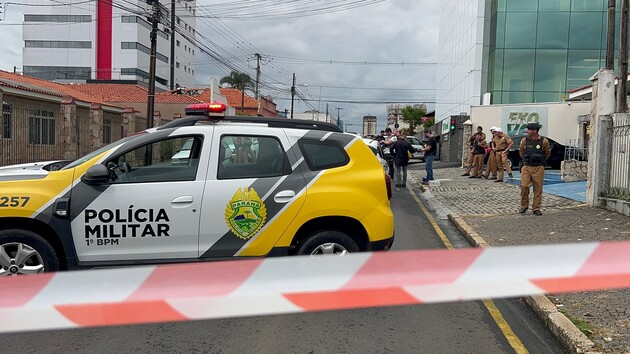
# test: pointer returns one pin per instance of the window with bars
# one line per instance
(7, 112)
(107, 130)
(41, 127)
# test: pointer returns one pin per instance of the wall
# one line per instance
(559, 124)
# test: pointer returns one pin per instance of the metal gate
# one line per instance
(620, 158)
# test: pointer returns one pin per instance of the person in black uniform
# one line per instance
(402, 149)
(430, 150)
(534, 150)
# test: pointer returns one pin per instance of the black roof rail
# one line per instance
(271, 122)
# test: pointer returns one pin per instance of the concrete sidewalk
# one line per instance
(487, 214)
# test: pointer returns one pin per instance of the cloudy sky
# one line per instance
(344, 53)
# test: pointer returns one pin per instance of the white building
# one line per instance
(394, 114)
(69, 42)
(460, 57)
(369, 125)
(316, 116)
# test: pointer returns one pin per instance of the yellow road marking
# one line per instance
(434, 223)
(511, 337)
(498, 318)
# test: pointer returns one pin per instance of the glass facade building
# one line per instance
(533, 50)
(539, 49)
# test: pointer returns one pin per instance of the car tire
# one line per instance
(512, 164)
(34, 252)
(327, 242)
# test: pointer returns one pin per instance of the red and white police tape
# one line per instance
(301, 284)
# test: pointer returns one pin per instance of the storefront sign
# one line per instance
(514, 119)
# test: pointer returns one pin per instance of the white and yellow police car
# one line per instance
(203, 187)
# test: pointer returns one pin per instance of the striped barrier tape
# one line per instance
(302, 284)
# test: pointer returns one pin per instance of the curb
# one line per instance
(567, 333)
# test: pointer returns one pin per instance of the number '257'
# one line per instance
(13, 202)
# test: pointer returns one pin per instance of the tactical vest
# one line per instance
(534, 154)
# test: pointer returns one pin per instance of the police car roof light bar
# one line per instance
(205, 109)
(271, 122)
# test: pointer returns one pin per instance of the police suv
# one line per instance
(199, 188)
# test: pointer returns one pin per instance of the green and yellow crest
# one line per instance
(245, 214)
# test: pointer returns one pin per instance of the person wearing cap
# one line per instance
(471, 141)
(534, 150)
(479, 151)
(502, 143)
(491, 169)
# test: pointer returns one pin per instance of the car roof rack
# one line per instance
(271, 122)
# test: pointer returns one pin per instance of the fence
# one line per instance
(83, 131)
(576, 149)
(35, 131)
(30, 134)
(620, 158)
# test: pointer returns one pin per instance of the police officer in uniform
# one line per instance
(502, 144)
(534, 151)
(492, 160)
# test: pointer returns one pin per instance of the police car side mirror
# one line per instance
(96, 175)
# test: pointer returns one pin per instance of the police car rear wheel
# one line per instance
(328, 242)
(24, 252)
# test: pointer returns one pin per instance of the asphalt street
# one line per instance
(466, 327)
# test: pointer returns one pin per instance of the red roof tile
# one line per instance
(234, 99)
(44, 86)
(131, 93)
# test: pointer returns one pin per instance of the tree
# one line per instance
(428, 123)
(412, 116)
(239, 81)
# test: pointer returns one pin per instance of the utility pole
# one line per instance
(155, 16)
(256, 93)
(172, 45)
(610, 36)
(338, 109)
(292, 95)
(622, 89)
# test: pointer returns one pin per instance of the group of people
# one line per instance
(497, 151)
(398, 151)
(533, 149)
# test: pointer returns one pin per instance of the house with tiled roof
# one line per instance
(44, 120)
(242, 104)
(133, 97)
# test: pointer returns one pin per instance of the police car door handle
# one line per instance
(184, 199)
(284, 196)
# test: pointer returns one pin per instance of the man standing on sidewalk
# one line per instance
(492, 161)
(534, 151)
(429, 155)
(503, 144)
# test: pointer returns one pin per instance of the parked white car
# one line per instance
(378, 152)
(418, 145)
(54, 165)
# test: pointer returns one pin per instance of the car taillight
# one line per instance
(388, 183)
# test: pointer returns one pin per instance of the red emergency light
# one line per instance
(205, 109)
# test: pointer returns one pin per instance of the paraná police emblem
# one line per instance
(245, 214)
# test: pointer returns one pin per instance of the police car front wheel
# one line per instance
(328, 242)
(24, 252)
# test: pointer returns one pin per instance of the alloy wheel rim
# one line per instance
(329, 248)
(19, 259)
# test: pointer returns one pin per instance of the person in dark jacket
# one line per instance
(402, 150)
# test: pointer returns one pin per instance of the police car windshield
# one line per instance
(94, 153)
